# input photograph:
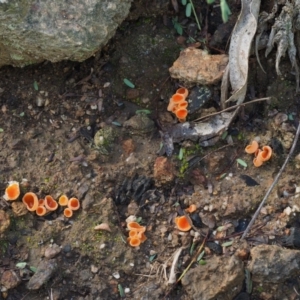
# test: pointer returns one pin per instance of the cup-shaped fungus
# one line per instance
(31, 201)
(41, 210)
(191, 208)
(68, 213)
(182, 223)
(257, 161)
(134, 241)
(265, 154)
(181, 114)
(182, 91)
(50, 203)
(252, 148)
(142, 237)
(12, 192)
(74, 204)
(136, 226)
(41, 202)
(63, 200)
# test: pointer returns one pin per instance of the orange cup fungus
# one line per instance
(178, 104)
(68, 213)
(50, 203)
(12, 192)
(63, 200)
(182, 223)
(74, 204)
(31, 201)
(136, 234)
(191, 208)
(41, 210)
(260, 155)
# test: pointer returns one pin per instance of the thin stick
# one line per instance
(274, 182)
(232, 107)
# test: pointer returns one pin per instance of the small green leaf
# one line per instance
(181, 153)
(33, 269)
(224, 135)
(116, 123)
(1, 129)
(192, 248)
(121, 291)
(223, 175)
(202, 262)
(143, 111)
(129, 83)
(178, 28)
(188, 10)
(21, 265)
(291, 117)
(225, 10)
(139, 219)
(227, 244)
(152, 257)
(210, 1)
(22, 114)
(248, 281)
(183, 2)
(200, 256)
(242, 162)
(35, 86)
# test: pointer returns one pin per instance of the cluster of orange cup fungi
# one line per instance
(41, 206)
(136, 234)
(178, 104)
(182, 222)
(260, 155)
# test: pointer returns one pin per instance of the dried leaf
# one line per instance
(103, 226)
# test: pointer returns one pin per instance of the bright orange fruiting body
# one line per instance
(41, 210)
(178, 103)
(252, 148)
(50, 203)
(63, 200)
(74, 204)
(68, 213)
(12, 192)
(31, 201)
(182, 223)
(191, 208)
(136, 234)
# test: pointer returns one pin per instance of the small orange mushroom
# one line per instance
(142, 237)
(191, 208)
(41, 210)
(74, 204)
(265, 154)
(134, 241)
(182, 223)
(63, 200)
(41, 202)
(50, 203)
(182, 91)
(181, 114)
(257, 161)
(177, 98)
(183, 104)
(133, 233)
(252, 148)
(12, 192)
(68, 213)
(31, 201)
(136, 226)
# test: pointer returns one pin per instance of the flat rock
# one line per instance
(52, 251)
(44, 271)
(163, 171)
(195, 66)
(271, 263)
(220, 279)
(33, 31)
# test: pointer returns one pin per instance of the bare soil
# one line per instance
(45, 107)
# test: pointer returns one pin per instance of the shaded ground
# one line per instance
(38, 149)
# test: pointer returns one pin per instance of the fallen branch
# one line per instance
(274, 182)
(232, 107)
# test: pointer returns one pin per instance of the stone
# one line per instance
(4, 221)
(195, 66)
(139, 124)
(52, 251)
(163, 171)
(10, 279)
(271, 263)
(43, 273)
(128, 146)
(220, 279)
(33, 31)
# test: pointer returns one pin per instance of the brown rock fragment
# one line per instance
(4, 221)
(132, 93)
(128, 146)
(19, 209)
(163, 171)
(10, 279)
(197, 66)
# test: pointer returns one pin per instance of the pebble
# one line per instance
(127, 290)
(10, 279)
(67, 248)
(102, 246)
(116, 275)
(94, 269)
(52, 251)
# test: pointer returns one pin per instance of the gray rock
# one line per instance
(52, 251)
(271, 263)
(44, 271)
(10, 279)
(33, 31)
(220, 279)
